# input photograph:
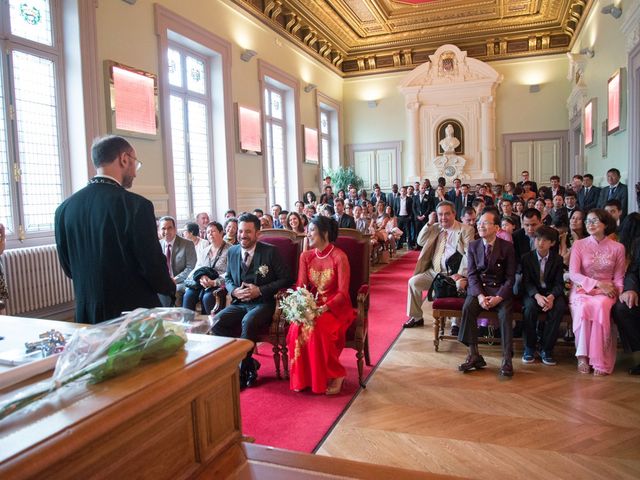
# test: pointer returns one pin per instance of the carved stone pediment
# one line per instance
(450, 65)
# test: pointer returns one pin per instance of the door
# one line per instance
(541, 158)
(375, 163)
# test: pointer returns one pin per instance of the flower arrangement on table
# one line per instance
(109, 349)
(300, 306)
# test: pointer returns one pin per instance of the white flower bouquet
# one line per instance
(299, 306)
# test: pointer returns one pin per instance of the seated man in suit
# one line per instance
(440, 240)
(344, 220)
(558, 213)
(491, 274)
(543, 292)
(626, 311)
(506, 207)
(556, 188)
(255, 273)
(181, 257)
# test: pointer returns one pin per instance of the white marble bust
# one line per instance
(449, 143)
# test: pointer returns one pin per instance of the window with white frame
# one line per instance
(276, 137)
(32, 158)
(325, 136)
(191, 136)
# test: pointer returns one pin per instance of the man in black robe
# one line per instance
(107, 239)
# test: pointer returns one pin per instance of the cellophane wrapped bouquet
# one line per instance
(106, 350)
(300, 306)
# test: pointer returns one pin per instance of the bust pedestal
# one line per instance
(450, 166)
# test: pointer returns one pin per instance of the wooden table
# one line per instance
(177, 418)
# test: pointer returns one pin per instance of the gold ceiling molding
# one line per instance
(361, 37)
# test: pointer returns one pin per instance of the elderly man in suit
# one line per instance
(440, 241)
(626, 311)
(615, 191)
(491, 274)
(180, 254)
(255, 273)
(107, 239)
(588, 194)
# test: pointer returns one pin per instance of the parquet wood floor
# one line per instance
(419, 412)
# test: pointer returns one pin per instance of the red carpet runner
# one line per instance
(277, 416)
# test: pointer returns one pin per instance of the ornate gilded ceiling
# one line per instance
(360, 37)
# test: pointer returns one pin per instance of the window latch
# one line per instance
(21, 235)
(17, 173)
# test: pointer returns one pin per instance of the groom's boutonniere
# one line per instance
(263, 270)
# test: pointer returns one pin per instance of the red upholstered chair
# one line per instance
(289, 245)
(357, 246)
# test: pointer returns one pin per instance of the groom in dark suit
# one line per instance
(107, 239)
(255, 273)
(491, 274)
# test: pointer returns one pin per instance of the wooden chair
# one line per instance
(289, 245)
(357, 246)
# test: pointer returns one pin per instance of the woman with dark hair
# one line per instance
(231, 231)
(577, 231)
(362, 197)
(315, 350)
(294, 222)
(342, 194)
(310, 198)
(597, 270)
(215, 258)
(192, 232)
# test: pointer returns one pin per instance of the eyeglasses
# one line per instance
(484, 224)
(138, 162)
(592, 221)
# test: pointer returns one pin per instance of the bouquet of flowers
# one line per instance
(103, 351)
(299, 306)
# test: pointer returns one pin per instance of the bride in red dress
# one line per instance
(315, 350)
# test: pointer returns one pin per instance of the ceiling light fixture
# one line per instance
(372, 103)
(310, 87)
(534, 88)
(588, 52)
(247, 55)
(612, 10)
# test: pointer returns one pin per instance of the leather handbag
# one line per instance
(443, 287)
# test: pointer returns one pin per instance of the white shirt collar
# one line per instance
(251, 251)
(546, 257)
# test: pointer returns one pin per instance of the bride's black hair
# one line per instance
(326, 226)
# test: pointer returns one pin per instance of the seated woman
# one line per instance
(577, 231)
(294, 223)
(509, 191)
(394, 234)
(597, 270)
(231, 231)
(527, 193)
(216, 258)
(192, 233)
(310, 198)
(315, 351)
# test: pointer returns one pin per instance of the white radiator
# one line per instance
(36, 282)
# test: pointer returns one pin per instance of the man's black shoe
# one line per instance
(412, 322)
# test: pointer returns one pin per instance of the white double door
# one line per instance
(541, 158)
(376, 165)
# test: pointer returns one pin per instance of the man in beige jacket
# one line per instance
(440, 241)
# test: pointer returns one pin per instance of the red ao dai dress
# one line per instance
(315, 351)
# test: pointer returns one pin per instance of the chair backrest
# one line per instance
(289, 245)
(357, 247)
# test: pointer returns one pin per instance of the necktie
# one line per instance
(543, 264)
(487, 253)
(611, 190)
(439, 253)
(169, 258)
(245, 263)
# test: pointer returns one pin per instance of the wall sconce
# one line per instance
(310, 87)
(247, 55)
(612, 10)
(587, 52)
(534, 88)
(372, 103)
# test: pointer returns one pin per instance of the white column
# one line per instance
(487, 137)
(413, 162)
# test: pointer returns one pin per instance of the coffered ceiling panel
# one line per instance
(360, 37)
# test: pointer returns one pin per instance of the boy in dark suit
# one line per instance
(491, 274)
(543, 292)
(255, 273)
